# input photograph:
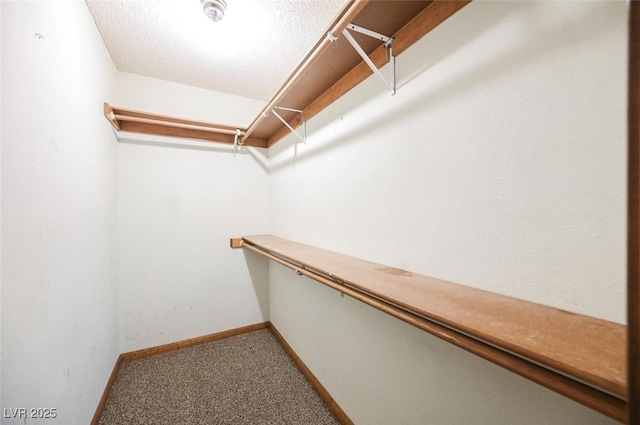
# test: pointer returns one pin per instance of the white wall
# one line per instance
(499, 164)
(180, 203)
(59, 223)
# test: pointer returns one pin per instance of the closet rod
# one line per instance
(311, 57)
(587, 395)
(176, 124)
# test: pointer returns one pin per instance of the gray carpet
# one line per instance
(245, 379)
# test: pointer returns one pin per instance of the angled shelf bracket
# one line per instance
(388, 44)
(303, 136)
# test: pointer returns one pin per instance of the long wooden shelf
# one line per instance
(581, 357)
(327, 72)
(331, 69)
(135, 121)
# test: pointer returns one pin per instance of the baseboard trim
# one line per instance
(320, 389)
(107, 390)
(173, 346)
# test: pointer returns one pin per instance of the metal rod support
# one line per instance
(370, 33)
(390, 85)
(392, 67)
(303, 136)
(237, 142)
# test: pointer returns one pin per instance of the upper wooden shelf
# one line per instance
(134, 121)
(579, 356)
(329, 70)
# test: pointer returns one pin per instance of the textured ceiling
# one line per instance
(249, 53)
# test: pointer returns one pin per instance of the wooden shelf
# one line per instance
(327, 72)
(581, 357)
(134, 121)
(331, 69)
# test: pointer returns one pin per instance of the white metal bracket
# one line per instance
(388, 42)
(303, 136)
(237, 142)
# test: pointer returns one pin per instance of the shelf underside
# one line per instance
(385, 17)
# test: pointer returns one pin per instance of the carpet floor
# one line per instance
(245, 379)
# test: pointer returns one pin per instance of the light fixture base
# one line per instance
(214, 9)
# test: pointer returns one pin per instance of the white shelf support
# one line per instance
(237, 142)
(388, 42)
(303, 136)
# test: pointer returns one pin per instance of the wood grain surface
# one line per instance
(585, 348)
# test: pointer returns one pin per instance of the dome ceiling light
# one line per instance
(214, 9)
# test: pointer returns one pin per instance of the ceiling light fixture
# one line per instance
(214, 9)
